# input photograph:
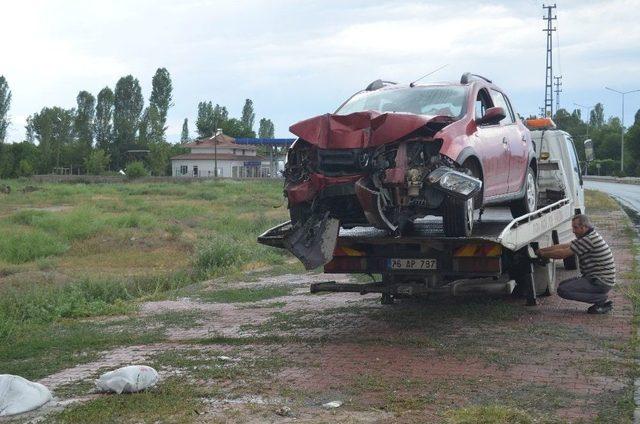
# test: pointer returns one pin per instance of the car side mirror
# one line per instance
(492, 116)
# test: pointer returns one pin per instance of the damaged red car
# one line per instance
(393, 153)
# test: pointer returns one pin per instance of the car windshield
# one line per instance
(435, 100)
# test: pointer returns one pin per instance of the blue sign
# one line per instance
(252, 163)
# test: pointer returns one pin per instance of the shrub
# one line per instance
(25, 168)
(22, 246)
(136, 170)
(218, 253)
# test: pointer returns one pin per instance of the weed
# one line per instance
(24, 245)
(489, 414)
(244, 295)
(173, 399)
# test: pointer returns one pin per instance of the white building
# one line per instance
(233, 160)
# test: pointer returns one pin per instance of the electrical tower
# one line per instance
(548, 87)
(558, 84)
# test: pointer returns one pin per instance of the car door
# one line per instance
(517, 147)
(492, 149)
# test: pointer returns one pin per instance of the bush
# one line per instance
(218, 253)
(22, 246)
(136, 170)
(25, 169)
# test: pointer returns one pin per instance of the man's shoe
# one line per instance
(603, 308)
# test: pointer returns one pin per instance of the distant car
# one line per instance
(393, 153)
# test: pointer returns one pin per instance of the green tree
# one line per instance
(596, 118)
(29, 130)
(248, 115)
(128, 104)
(83, 123)
(184, 137)
(7, 161)
(159, 154)
(25, 169)
(266, 129)
(5, 104)
(97, 162)
(53, 129)
(103, 121)
(236, 128)
(205, 124)
(220, 116)
(159, 104)
(632, 146)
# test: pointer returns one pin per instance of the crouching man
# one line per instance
(596, 264)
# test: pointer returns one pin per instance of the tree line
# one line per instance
(108, 132)
(606, 138)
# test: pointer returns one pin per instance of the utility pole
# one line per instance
(548, 86)
(558, 83)
(622, 131)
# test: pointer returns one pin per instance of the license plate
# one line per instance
(412, 264)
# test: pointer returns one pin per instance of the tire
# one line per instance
(457, 217)
(473, 166)
(529, 202)
(570, 263)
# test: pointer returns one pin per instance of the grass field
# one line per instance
(71, 251)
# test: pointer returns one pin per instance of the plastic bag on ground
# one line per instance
(18, 395)
(131, 379)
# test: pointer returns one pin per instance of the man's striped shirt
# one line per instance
(595, 258)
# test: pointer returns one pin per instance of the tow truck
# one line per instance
(498, 258)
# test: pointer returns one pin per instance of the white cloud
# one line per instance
(296, 59)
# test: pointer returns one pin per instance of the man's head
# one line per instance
(580, 225)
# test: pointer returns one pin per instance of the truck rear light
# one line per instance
(478, 250)
(345, 264)
(346, 251)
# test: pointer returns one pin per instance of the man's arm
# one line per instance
(558, 251)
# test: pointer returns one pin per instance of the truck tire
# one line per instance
(529, 202)
(457, 217)
(570, 263)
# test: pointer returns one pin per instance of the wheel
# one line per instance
(570, 263)
(473, 166)
(457, 217)
(529, 202)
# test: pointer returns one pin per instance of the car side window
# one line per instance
(483, 102)
(500, 101)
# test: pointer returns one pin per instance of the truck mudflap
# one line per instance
(312, 243)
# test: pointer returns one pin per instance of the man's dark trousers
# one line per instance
(583, 290)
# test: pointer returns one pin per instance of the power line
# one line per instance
(548, 87)
(558, 83)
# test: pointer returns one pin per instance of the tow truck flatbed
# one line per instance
(512, 234)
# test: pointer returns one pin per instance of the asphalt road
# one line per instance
(628, 194)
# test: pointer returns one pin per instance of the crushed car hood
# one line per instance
(363, 129)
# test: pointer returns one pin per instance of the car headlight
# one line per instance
(454, 182)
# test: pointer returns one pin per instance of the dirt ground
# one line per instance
(282, 358)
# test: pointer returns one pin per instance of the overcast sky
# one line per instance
(297, 59)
